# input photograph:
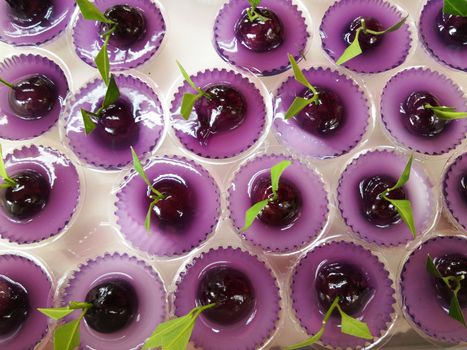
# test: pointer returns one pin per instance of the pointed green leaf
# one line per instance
(447, 113)
(455, 7)
(308, 342)
(455, 310)
(253, 212)
(66, 337)
(404, 208)
(147, 222)
(56, 313)
(112, 94)
(254, 3)
(139, 167)
(352, 51)
(89, 124)
(166, 330)
(354, 327)
(296, 107)
(392, 28)
(298, 74)
(405, 176)
(431, 268)
(91, 12)
(9, 182)
(102, 61)
(188, 103)
(187, 77)
(276, 173)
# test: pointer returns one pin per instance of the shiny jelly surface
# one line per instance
(14, 305)
(367, 41)
(452, 265)
(452, 29)
(30, 12)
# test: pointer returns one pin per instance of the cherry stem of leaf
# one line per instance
(7, 84)
(106, 35)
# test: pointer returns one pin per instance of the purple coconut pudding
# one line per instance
(44, 196)
(127, 297)
(24, 286)
(373, 218)
(444, 35)
(35, 99)
(455, 190)
(33, 22)
(411, 123)
(344, 270)
(245, 293)
(225, 124)
(329, 128)
(426, 298)
(136, 119)
(140, 29)
(182, 220)
(296, 217)
(380, 53)
(260, 43)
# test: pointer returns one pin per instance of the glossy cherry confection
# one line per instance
(284, 210)
(418, 119)
(452, 29)
(230, 290)
(348, 282)
(324, 117)
(114, 306)
(33, 97)
(452, 265)
(375, 208)
(27, 197)
(14, 305)
(367, 41)
(130, 25)
(260, 35)
(30, 12)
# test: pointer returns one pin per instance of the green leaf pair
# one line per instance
(255, 210)
(455, 7)
(253, 14)
(354, 49)
(189, 99)
(349, 325)
(455, 310)
(175, 334)
(446, 113)
(299, 102)
(67, 336)
(8, 181)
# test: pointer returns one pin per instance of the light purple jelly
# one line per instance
(456, 204)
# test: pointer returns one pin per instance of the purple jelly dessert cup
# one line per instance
(455, 181)
(148, 287)
(87, 38)
(53, 24)
(132, 207)
(255, 329)
(393, 48)
(419, 190)
(64, 181)
(422, 305)
(356, 115)
(230, 48)
(224, 144)
(411, 80)
(23, 66)
(454, 56)
(313, 197)
(37, 283)
(149, 118)
(378, 313)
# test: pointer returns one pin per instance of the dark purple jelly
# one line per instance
(114, 306)
(285, 209)
(130, 25)
(452, 29)
(33, 97)
(451, 265)
(375, 208)
(260, 35)
(345, 281)
(27, 197)
(14, 305)
(30, 12)
(463, 187)
(419, 120)
(230, 290)
(176, 209)
(367, 41)
(322, 118)
(117, 126)
(222, 110)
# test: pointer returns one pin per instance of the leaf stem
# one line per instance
(7, 84)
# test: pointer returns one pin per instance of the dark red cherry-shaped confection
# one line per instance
(33, 97)
(367, 41)
(222, 110)
(324, 117)
(348, 282)
(452, 265)
(418, 119)
(463, 187)
(117, 126)
(375, 208)
(114, 306)
(14, 305)
(130, 25)
(230, 290)
(285, 209)
(260, 35)
(27, 197)
(176, 209)
(452, 29)
(30, 12)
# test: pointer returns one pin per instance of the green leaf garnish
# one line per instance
(189, 99)
(253, 14)
(8, 181)
(405, 176)
(354, 49)
(89, 124)
(297, 105)
(276, 173)
(455, 7)
(447, 113)
(102, 61)
(253, 212)
(91, 12)
(7, 84)
(176, 333)
(112, 94)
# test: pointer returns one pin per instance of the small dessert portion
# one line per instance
(454, 187)
(14, 306)
(30, 12)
